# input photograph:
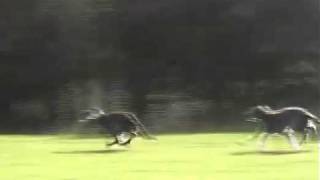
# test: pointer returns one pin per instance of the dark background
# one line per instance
(181, 65)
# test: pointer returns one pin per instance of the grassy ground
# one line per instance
(185, 157)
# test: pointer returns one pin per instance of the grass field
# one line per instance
(181, 157)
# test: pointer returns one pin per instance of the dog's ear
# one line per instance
(260, 107)
(93, 111)
(266, 107)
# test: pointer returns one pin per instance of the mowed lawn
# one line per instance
(214, 156)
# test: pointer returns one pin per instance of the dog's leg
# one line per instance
(114, 142)
(262, 141)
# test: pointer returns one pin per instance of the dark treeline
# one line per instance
(243, 51)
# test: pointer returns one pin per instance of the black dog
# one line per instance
(123, 126)
(285, 121)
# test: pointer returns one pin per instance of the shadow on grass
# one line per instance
(272, 152)
(105, 151)
(83, 136)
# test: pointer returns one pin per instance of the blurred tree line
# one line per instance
(238, 50)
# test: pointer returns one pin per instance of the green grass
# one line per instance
(181, 157)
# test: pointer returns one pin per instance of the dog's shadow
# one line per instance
(104, 151)
(269, 152)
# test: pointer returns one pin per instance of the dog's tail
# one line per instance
(142, 130)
